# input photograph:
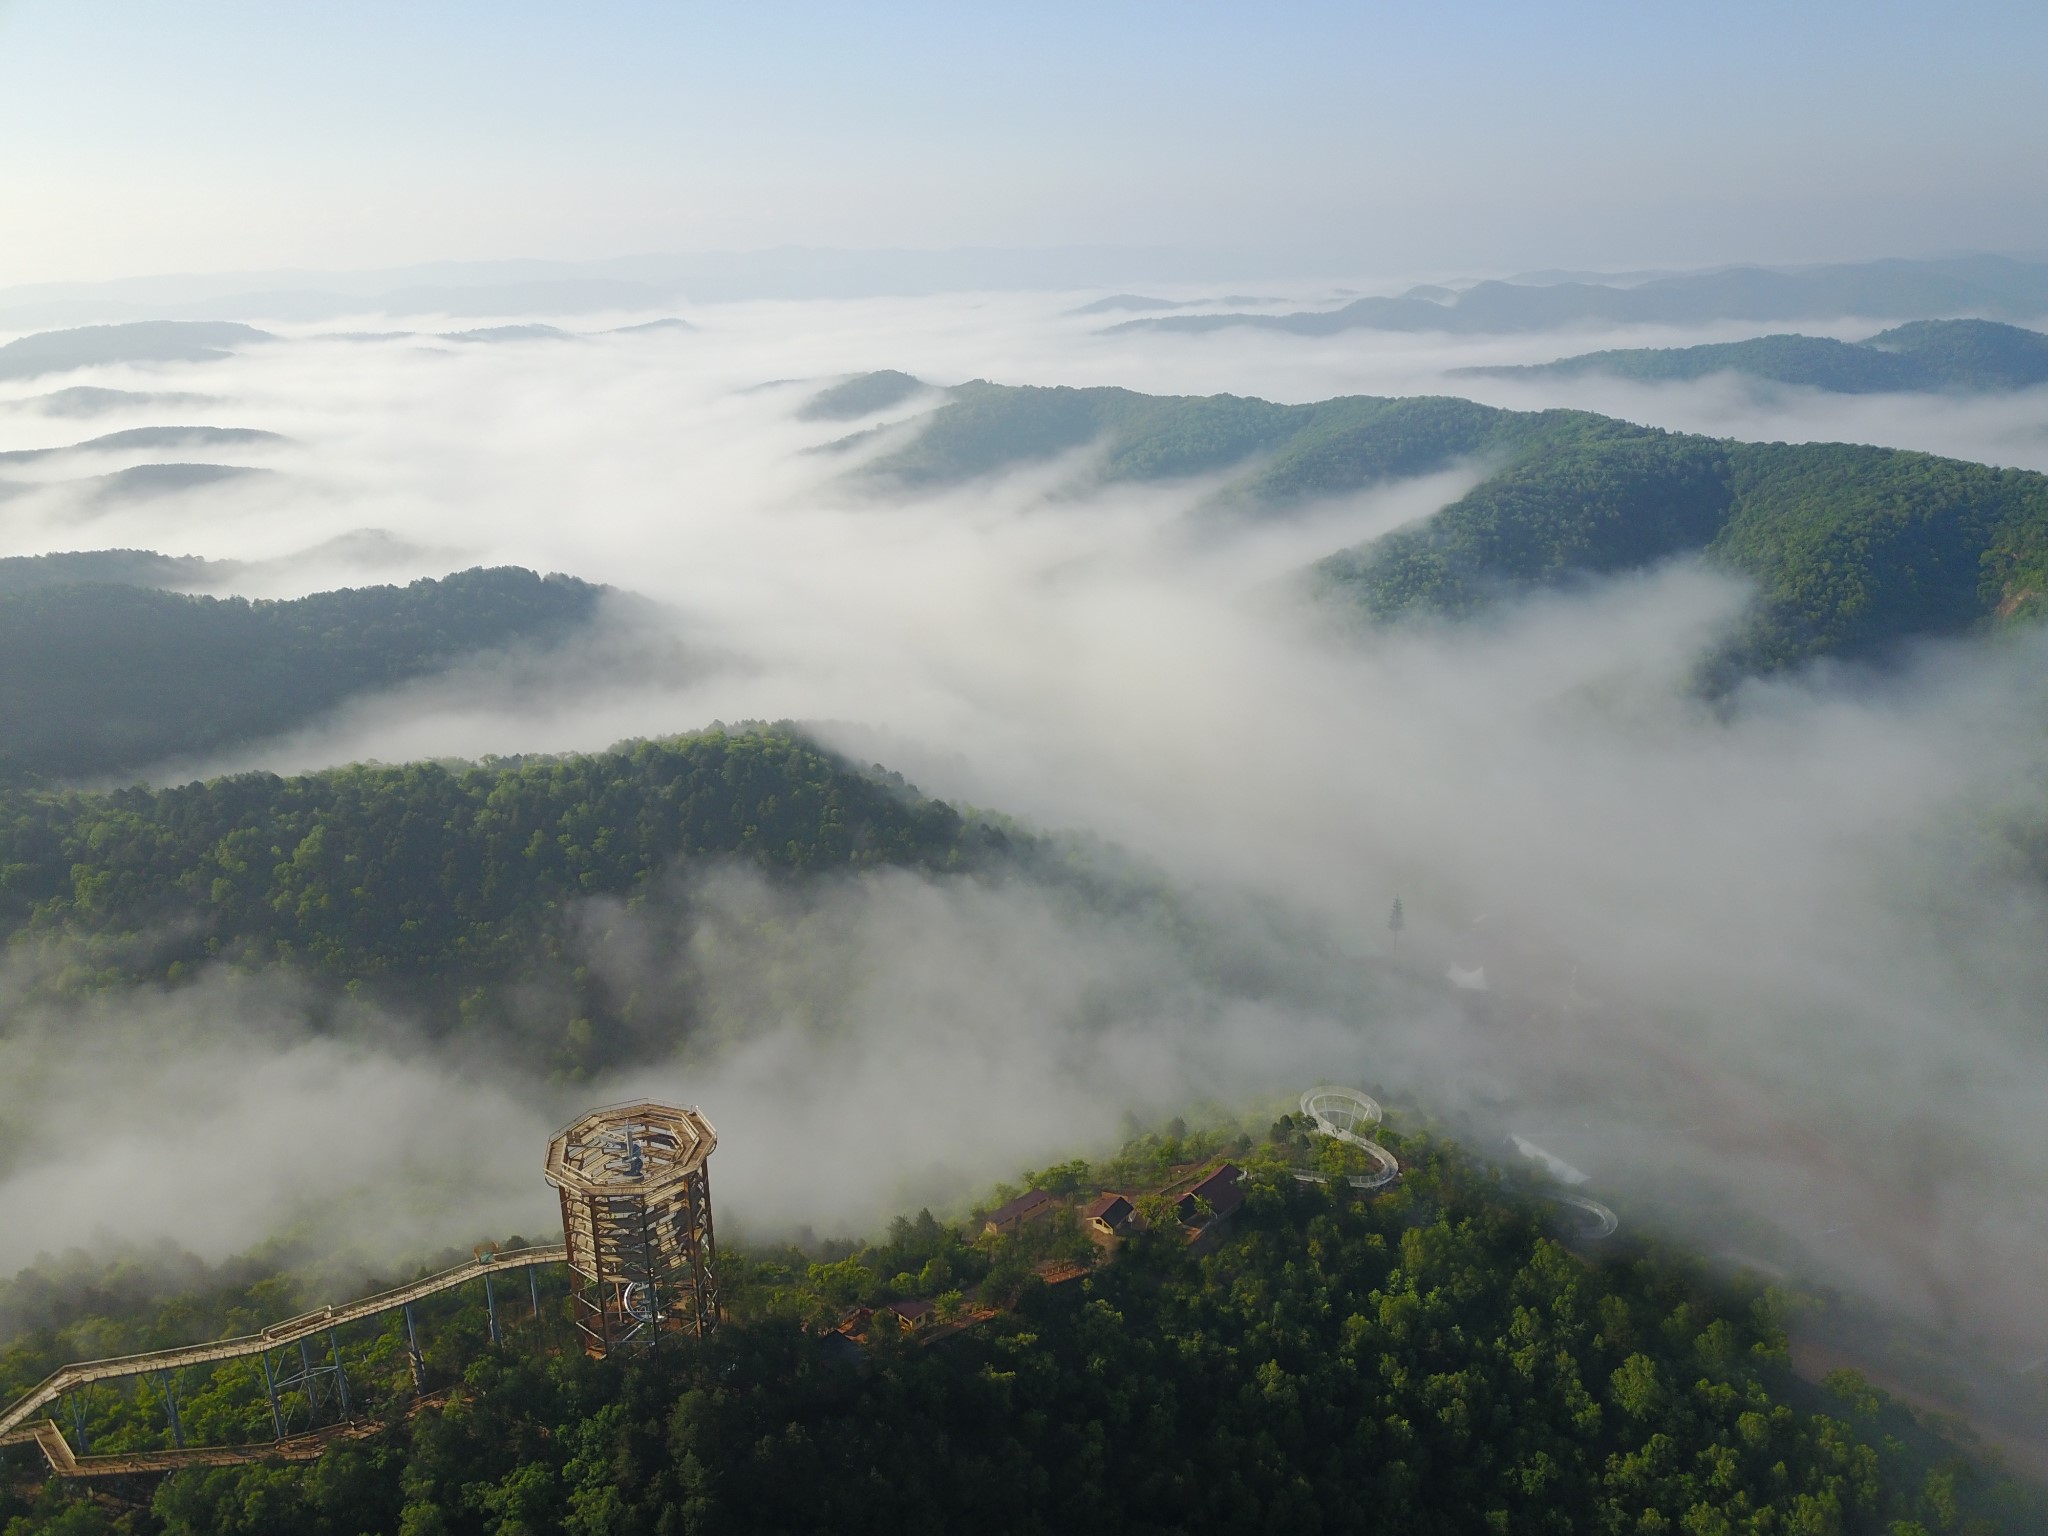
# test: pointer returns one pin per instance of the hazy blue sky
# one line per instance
(141, 136)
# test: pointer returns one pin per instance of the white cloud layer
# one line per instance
(1775, 969)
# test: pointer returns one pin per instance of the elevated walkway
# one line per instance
(17, 1428)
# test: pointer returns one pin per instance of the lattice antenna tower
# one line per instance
(635, 1183)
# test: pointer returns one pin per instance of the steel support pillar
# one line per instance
(340, 1375)
(163, 1379)
(491, 1308)
(412, 1351)
(270, 1390)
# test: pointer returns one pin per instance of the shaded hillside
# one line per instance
(445, 889)
(862, 395)
(1972, 285)
(1926, 355)
(1854, 547)
(124, 567)
(104, 677)
(138, 341)
(1970, 354)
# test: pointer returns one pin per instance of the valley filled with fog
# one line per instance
(1742, 960)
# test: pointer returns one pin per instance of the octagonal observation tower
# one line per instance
(635, 1183)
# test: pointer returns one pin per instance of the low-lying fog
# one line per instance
(1775, 971)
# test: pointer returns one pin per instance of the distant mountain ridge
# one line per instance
(1920, 356)
(90, 400)
(120, 567)
(1852, 548)
(137, 341)
(1994, 286)
(151, 437)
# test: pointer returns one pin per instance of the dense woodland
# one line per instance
(103, 676)
(1925, 355)
(1431, 1360)
(862, 395)
(1853, 549)
(125, 567)
(444, 889)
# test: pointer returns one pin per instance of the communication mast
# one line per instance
(635, 1183)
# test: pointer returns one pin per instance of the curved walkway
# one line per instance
(15, 1428)
(1605, 1222)
(1338, 1113)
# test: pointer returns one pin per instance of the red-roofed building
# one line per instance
(1220, 1192)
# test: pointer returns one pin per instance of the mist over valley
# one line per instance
(1357, 860)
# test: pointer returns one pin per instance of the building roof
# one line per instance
(910, 1311)
(1219, 1191)
(642, 1148)
(1111, 1209)
(1027, 1204)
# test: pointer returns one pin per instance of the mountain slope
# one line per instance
(1432, 1360)
(1853, 547)
(123, 567)
(448, 891)
(89, 400)
(137, 341)
(151, 437)
(102, 677)
(862, 395)
(1924, 355)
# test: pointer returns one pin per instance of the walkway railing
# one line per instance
(16, 1429)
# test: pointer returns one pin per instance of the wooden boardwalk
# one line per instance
(24, 1422)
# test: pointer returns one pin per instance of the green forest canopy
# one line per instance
(1852, 548)
(1926, 355)
(100, 676)
(444, 888)
(1432, 1361)
(862, 395)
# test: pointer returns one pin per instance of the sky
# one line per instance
(1330, 139)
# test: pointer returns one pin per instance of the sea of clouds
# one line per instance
(1769, 972)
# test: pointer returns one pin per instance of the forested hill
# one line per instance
(135, 341)
(862, 395)
(1432, 1361)
(1853, 548)
(100, 677)
(1926, 355)
(1969, 285)
(443, 889)
(124, 567)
